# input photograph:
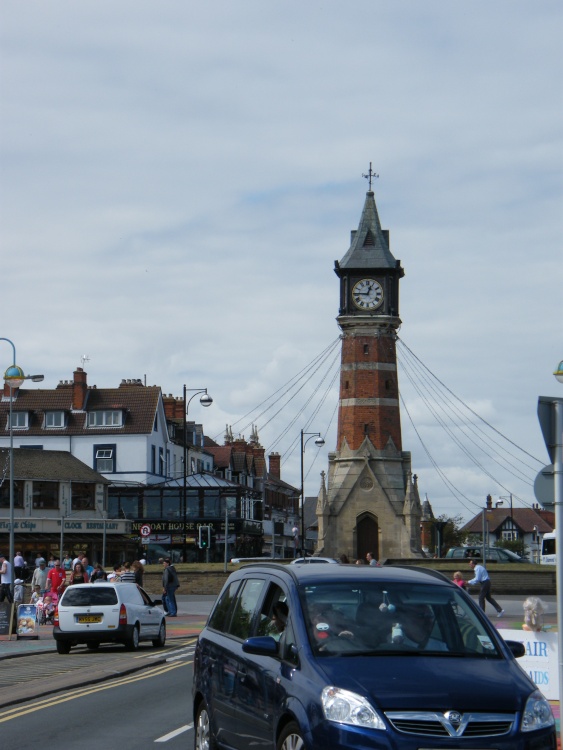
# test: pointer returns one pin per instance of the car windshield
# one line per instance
(90, 596)
(372, 618)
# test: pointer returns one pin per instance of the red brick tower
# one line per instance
(371, 502)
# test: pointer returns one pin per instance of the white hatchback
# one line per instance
(108, 613)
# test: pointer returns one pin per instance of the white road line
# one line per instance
(175, 733)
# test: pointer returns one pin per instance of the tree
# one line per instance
(452, 535)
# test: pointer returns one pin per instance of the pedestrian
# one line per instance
(5, 579)
(56, 578)
(533, 614)
(99, 574)
(170, 584)
(38, 560)
(18, 591)
(139, 569)
(115, 575)
(371, 559)
(19, 565)
(344, 559)
(127, 575)
(481, 577)
(78, 575)
(78, 558)
(39, 577)
(67, 562)
(51, 563)
(458, 578)
(35, 595)
(87, 567)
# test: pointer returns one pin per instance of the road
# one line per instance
(136, 711)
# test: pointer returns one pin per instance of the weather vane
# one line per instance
(83, 359)
(371, 175)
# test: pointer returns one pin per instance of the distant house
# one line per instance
(526, 524)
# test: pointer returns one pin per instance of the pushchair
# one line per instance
(46, 609)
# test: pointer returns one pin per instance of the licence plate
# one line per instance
(88, 618)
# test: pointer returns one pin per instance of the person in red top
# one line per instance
(55, 577)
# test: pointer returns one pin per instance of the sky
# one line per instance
(178, 178)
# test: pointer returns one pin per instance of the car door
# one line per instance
(224, 658)
(151, 613)
(258, 678)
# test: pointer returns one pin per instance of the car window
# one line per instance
(372, 618)
(245, 607)
(89, 597)
(146, 598)
(218, 618)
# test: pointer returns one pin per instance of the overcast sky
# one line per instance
(178, 178)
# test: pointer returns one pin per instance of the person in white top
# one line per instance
(5, 579)
(19, 565)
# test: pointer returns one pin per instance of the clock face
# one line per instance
(367, 294)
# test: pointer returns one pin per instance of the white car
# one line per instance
(108, 613)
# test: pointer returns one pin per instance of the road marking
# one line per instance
(16, 712)
(175, 733)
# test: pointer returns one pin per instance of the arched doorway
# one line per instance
(367, 536)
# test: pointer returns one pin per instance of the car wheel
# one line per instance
(204, 739)
(63, 647)
(132, 643)
(290, 738)
(161, 640)
(92, 646)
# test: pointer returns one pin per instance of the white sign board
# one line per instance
(540, 662)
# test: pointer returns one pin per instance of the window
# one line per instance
(46, 495)
(243, 615)
(113, 418)
(83, 496)
(104, 458)
(54, 419)
(161, 461)
(5, 495)
(19, 419)
(153, 459)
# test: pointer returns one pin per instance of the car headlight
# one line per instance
(345, 707)
(537, 714)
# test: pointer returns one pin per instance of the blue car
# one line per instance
(332, 657)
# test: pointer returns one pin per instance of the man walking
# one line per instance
(481, 577)
(5, 579)
(40, 577)
(169, 585)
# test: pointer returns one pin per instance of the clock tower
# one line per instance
(370, 502)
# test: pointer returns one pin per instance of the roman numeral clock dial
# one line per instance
(367, 294)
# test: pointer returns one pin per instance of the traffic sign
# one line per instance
(145, 530)
(544, 487)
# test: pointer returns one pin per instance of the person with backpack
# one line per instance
(170, 584)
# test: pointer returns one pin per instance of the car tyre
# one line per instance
(63, 647)
(132, 643)
(161, 639)
(204, 739)
(290, 738)
(92, 646)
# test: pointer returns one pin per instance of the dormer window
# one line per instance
(54, 419)
(109, 418)
(19, 420)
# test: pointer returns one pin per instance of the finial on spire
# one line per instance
(371, 175)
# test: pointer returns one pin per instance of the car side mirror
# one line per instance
(518, 649)
(263, 645)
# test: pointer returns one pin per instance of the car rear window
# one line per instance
(88, 597)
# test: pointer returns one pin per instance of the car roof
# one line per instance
(305, 574)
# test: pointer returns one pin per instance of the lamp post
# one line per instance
(318, 442)
(558, 501)
(205, 401)
(14, 378)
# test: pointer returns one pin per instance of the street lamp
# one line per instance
(205, 401)
(14, 378)
(318, 442)
(508, 497)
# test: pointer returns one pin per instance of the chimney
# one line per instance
(489, 502)
(274, 460)
(79, 389)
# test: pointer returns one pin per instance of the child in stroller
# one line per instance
(46, 609)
